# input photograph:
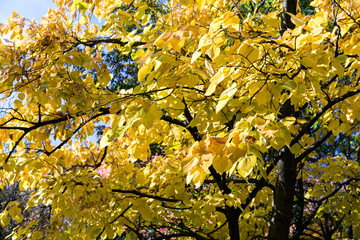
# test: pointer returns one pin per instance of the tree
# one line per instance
(12, 198)
(221, 137)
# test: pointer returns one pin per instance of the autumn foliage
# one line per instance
(235, 128)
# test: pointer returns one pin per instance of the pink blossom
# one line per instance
(104, 172)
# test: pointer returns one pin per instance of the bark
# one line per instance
(299, 209)
(350, 233)
(286, 179)
(232, 215)
(283, 197)
(289, 6)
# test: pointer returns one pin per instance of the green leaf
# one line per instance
(81, 5)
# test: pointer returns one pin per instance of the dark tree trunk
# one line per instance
(289, 6)
(299, 208)
(283, 197)
(232, 215)
(286, 179)
(350, 234)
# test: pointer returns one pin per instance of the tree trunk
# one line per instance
(232, 215)
(350, 234)
(289, 6)
(299, 208)
(283, 197)
(286, 179)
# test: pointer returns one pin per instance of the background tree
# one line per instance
(222, 135)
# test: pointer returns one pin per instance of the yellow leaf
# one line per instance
(143, 71)
(263, 97)
(289, 121)
(37, 235)
(48, 147)
(17, 104)
(215, 80)
(14, 211)
(334, 126)
(4, 219)
(196, 175)
(188, 163)
(271, 20)
(148, 116)
(23, 185)
(146, 212)
(204, 41)
(155, 111)
(139, 53)
(296, 148)
(21, 96)
(104, 76)
(233, 23)
(296, 20)
(218, 140)
(249, 52)
(106, 139)
(145, 19)
(297, 31)
(316, 22)
(236, 153)
(344, 127)
(195, 56)
(288, 85)
(141, 11)
(19, 218)
(200, 4)
(225, 97)
(145, 57)
(277, 143)
(220, 163)
(177, 44)
(215, 25)
(247, 163)
(110, 233)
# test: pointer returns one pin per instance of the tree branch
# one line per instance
(319, 203)
(330, 104)
(140, 194)
(93, 42)
(14, 147)
(174, 121)
(313, 147)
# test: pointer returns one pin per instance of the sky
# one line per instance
(31, 9)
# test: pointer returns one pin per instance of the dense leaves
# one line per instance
(160, 120)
